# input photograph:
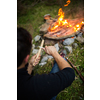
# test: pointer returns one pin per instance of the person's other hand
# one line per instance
(50, 50)
(32, 60)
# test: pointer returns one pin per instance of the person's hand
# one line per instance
(50, 50)
(32, 60)
(30, 66)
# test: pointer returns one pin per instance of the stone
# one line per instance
(42, 64)
(75, 45)
(47, 16)
(33, 46)
(80, 39)
(69, 48)
(68, 41)
(50, 42)
(56, 46)
(80, 34)
(37, 38)
(44, 59)
(50, 57)
(64, 51)
(35, 51)
(44, 28)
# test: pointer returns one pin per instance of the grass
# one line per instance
(31, 18)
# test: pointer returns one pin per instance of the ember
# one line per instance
(78, 26)
(68, 2)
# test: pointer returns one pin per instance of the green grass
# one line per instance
(31, 18)
(35, 17)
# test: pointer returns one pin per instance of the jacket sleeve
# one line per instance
(47, 86)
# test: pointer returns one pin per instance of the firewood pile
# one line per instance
(62, 31)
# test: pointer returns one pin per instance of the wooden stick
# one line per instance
(39, 51)
(75, 69)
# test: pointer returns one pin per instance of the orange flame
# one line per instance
(78, 26)
(62, 22)
(68, 2)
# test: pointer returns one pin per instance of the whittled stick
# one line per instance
(39, 51)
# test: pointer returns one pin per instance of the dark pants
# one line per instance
(55, 69)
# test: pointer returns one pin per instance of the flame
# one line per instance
(61, 13)
(78, 26)
(54, 27)
(62, 22)
(82, 22)
(72, 37)
(68, 2)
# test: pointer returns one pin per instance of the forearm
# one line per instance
(60, 61)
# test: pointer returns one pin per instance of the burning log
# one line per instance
(63, 32)
(65, 35)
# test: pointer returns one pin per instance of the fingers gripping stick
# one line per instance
(39, 51)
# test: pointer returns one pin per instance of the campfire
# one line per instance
(62, 28)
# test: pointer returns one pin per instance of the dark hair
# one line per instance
(24, 44)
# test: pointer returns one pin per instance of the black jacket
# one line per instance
(42, 87)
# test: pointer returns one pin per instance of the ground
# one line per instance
(30, 16)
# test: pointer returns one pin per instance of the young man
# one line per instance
(39, 87)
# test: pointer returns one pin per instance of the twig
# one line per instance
(75, 69)
(74, 66)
